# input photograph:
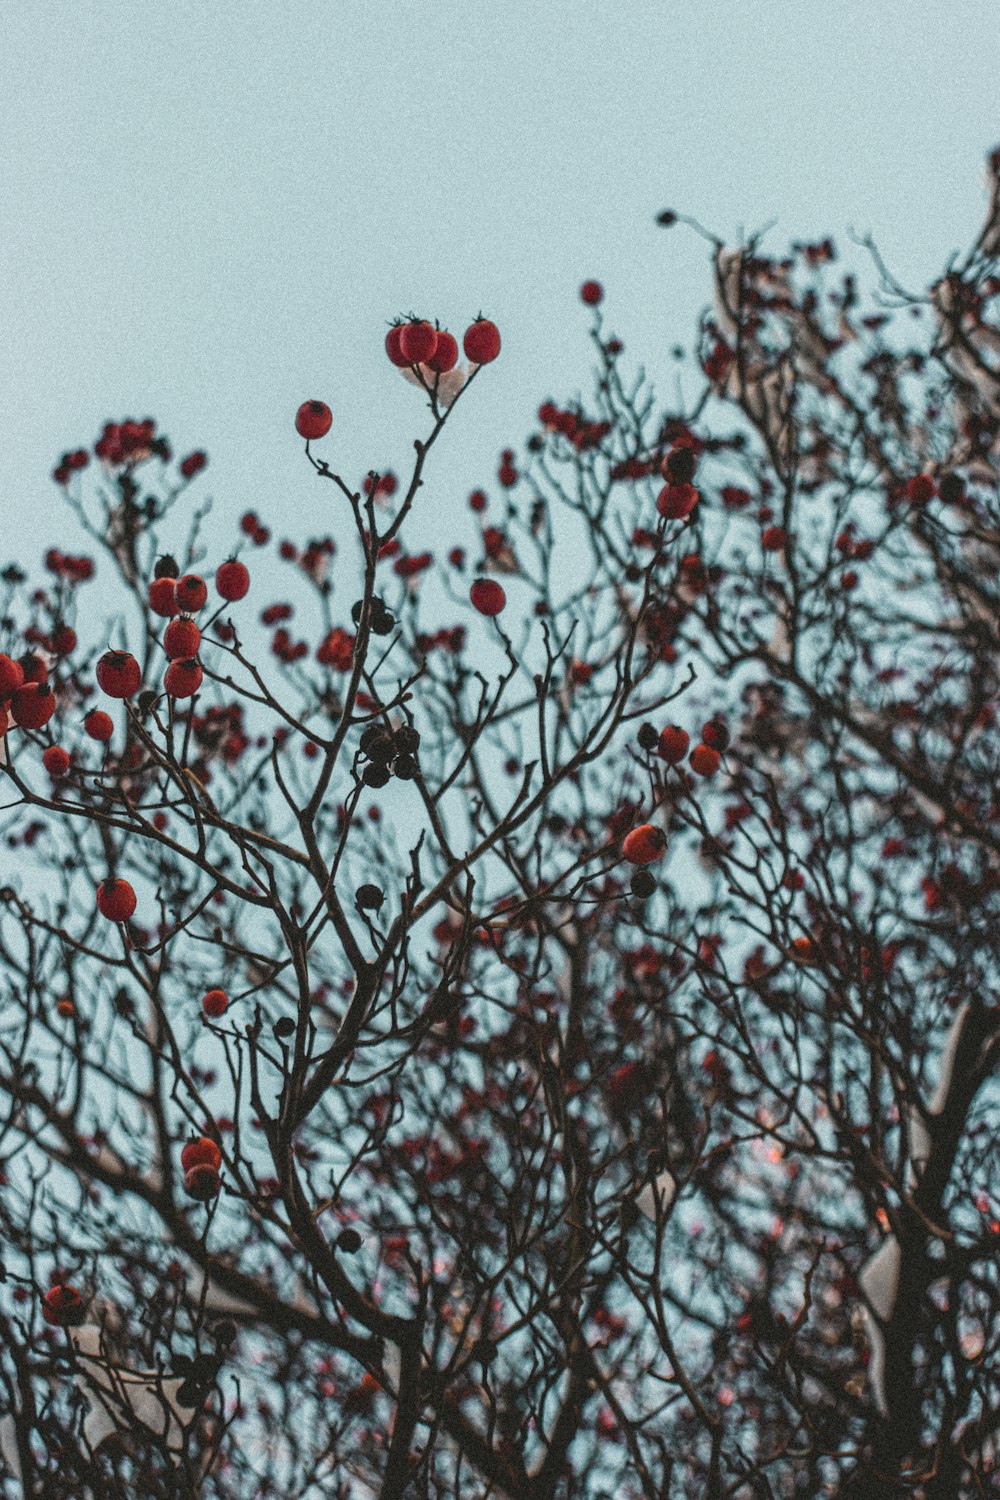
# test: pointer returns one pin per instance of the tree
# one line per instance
(552, 1050)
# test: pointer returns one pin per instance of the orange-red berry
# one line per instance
(181, 638)
(704, 760)
(214, 1004)
(115, 900)
(644, 844)
(673, 743)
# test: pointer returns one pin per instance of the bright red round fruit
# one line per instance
(445, 356)
(203, 1183)
(675, 501)
(119, 674)
(214, 1004)
(673, 743)
(33, 705)
(202, 1151)
(11, 675)
(392, 348)
(592, 293)
(482, 342)
(313, 420)
(182, 679)
(4, 718)
(644, 844)
(418, 342)
(161, 598)
(487, 596)
(704, 760)
(62, 1306)
(190, 593)
(181, 638)
(56, 760)
(99, 725)
(773, 539)
(232, 580)
(115, 900)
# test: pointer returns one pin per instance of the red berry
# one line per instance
(214, 1004)
(62, 640)
(313, 419)
(676, 501)
(773, 539)
(34, 668)
(592, 293)
(119, 674)
(716, 735)
(161, 597)
(99, 725)
(62, 1306)
(673, 743)
(920, 489)
(181, 638)
(203, 1183)
(392, 348)
(487, 596)
(11, 675)
(115, 900)
(182, 679)
(445, 356)
(190, 593)
(644, 844)
(33, 705)
(65, 1008)
(4, 718)
(482, 342)
(193, 464)
(232, 580)
(704, 760)
(55, 760)
(418, 342)
(202, 1151)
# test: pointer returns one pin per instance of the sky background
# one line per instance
(210, 211)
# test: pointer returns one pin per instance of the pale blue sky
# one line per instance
(209, 210)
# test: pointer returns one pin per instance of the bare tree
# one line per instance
(534, 1039)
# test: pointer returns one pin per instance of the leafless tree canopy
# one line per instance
(545, 1172)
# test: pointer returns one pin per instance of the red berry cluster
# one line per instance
(416, 342)
(251, 526)
(574, 427)
(69, 464)
(26, 698)
(129, 442)
(72, 569)
(671, 745)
